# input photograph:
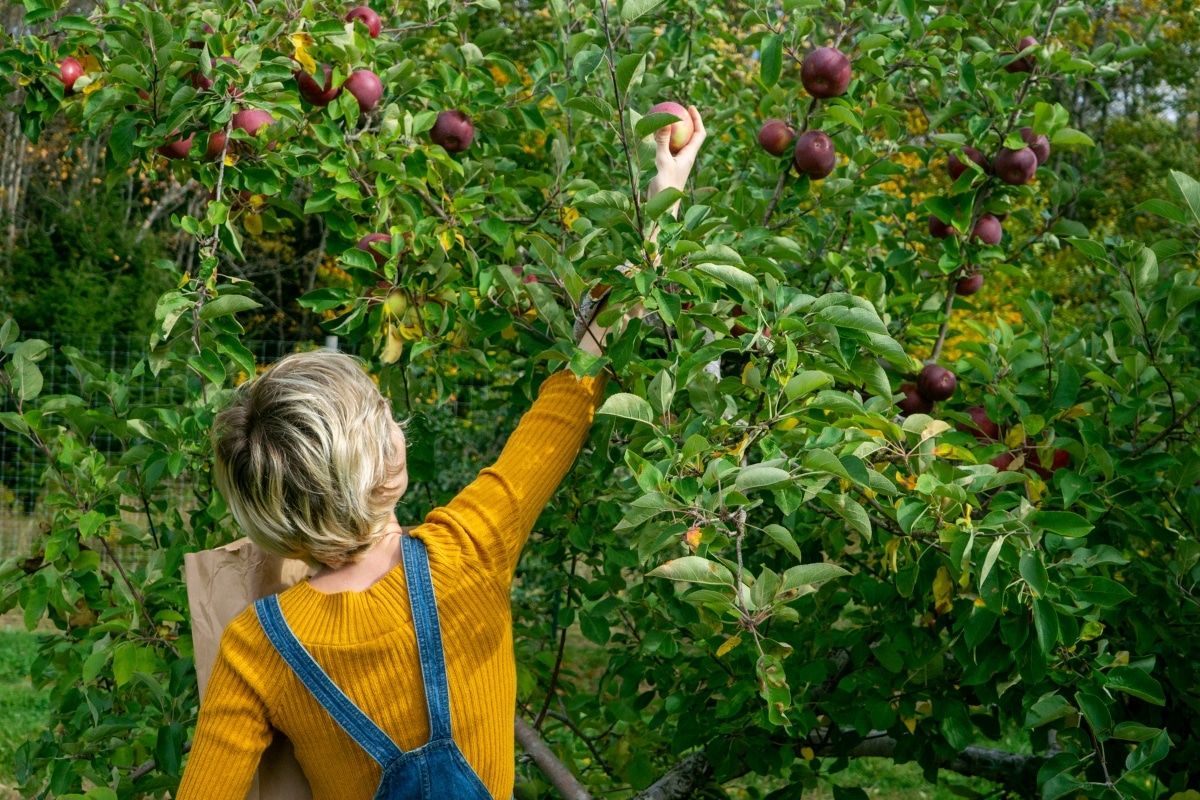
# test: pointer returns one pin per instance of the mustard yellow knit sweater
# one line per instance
(366, 643)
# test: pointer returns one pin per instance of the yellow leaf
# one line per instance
(392, 348)
(787, 424)
(253, 224)
(508, 333)
(924, 707)
(729, 644)
(302, 41)
(1075, 412)
(942, 587)
(411, 332)
(1016, 437)
(909, 723)
(807, 753)
(890, 550)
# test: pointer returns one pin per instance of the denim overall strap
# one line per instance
(429, 635)
(358, 725)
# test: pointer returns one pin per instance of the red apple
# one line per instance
(1025, 63)
(981, 426)
(197, 44)
(681, 131)
(312, 91)
(969, 284)
(216, 144)
(955, 166)
(815, 156)
(987, 229)
(177, 148)
(69, 71)
(825, 72)
(913, 402)
(1015, 167)
(364, 244)
(453, 130)
(1003, 461)
(1060, 461)
(776, 137)
(939, 229)
(936, 383)
(252, 120)
(366, 88)
(1038, 143)
(369, 18)
(201, 83)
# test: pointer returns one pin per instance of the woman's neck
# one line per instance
(368, 570)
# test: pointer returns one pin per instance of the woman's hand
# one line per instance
(673, 170)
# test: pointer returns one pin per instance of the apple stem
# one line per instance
(941, 339)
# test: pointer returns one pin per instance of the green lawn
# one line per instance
(25, 710)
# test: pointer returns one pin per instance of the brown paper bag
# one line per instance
(220, 584)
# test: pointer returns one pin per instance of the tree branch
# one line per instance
(1179, 420)
(555, 771)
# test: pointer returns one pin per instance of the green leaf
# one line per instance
(808, 574)
(1134, 732)
(627, 406)
(853, 318)
(661, 203)
(757, 476)
(806, 382)
(1069, 137)
(989, 560)
(496, 229)
(1188, 190)
(1137, 682)
(208, 364)
(1034, 572)
(854, 514)
(94, 663)
(1045, 619)
(694, 569)
(783, 537)
(632, 9)
(1048, 709)
(771, 59)
(629, 71)
(1163, 209)
(168, 748)
(1064, 523)
(652, 122)
(1090, 248)
(1149, 752)
(596, 106)
(227, 304)
(1095, 710)
(733, 276)
(1103, 592)
(124, 659)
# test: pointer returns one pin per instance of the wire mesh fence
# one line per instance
(22, 466)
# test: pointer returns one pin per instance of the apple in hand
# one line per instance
(936, 382)
(776, 137)
(453, 130)
(814, 155)
(825, 72)
(369, 18)
(313, 92)
(366, 88)
(681, 131)
(1015, 167)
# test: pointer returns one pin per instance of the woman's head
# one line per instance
(310, 460)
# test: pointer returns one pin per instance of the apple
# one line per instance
(969, 284)
(913, 402)
(201, 83)
(956, 167)
(1038, 143)
(681, 131)
(1015, 167)
(368, 17)
(987, 229)
(981, 426)
(936, 382)
(939, 229)
(197, 44)
(312, 91)
(69, 71)
(216, 144)
(1059, 460)
(366, 88)
(453, 130)
(252, 120)
(815, 156)
(177, 148)
(825, 72)
(776, 137)
(1002, 461)
(1024, 64)
(365, 242)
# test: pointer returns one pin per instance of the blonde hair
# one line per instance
(308, 460)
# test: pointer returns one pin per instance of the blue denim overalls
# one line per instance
(434, 771)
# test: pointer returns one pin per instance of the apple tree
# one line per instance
(834, 506)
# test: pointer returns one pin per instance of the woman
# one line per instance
(391, 669)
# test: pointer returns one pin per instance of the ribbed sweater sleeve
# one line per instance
(233, 729)
(495, 513)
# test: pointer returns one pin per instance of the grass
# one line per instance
(25, 709)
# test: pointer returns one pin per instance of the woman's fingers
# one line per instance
(692, 148)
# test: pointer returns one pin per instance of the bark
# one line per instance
(555, 771)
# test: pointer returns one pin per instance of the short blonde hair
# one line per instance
(307, 459)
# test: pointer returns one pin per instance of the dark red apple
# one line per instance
(1061, 460)
(201, 83)
(969, 285)
(681, 131)
(987, 229)
(252, 120)
(981, 425)
(197, 44)
(216, 144)
(939, 229)
(936, 382)
(1015, 167)
(369, 18)
(776, 137)
(1025, 63)
(1038, 143)
(955, 166)
(312, 91)
(366, 88)
(1003, 461)
(364, 244)
(825, 72)
(815, 156)
(69, 71)
(454, 131)
(177, 148)
(913, 402)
